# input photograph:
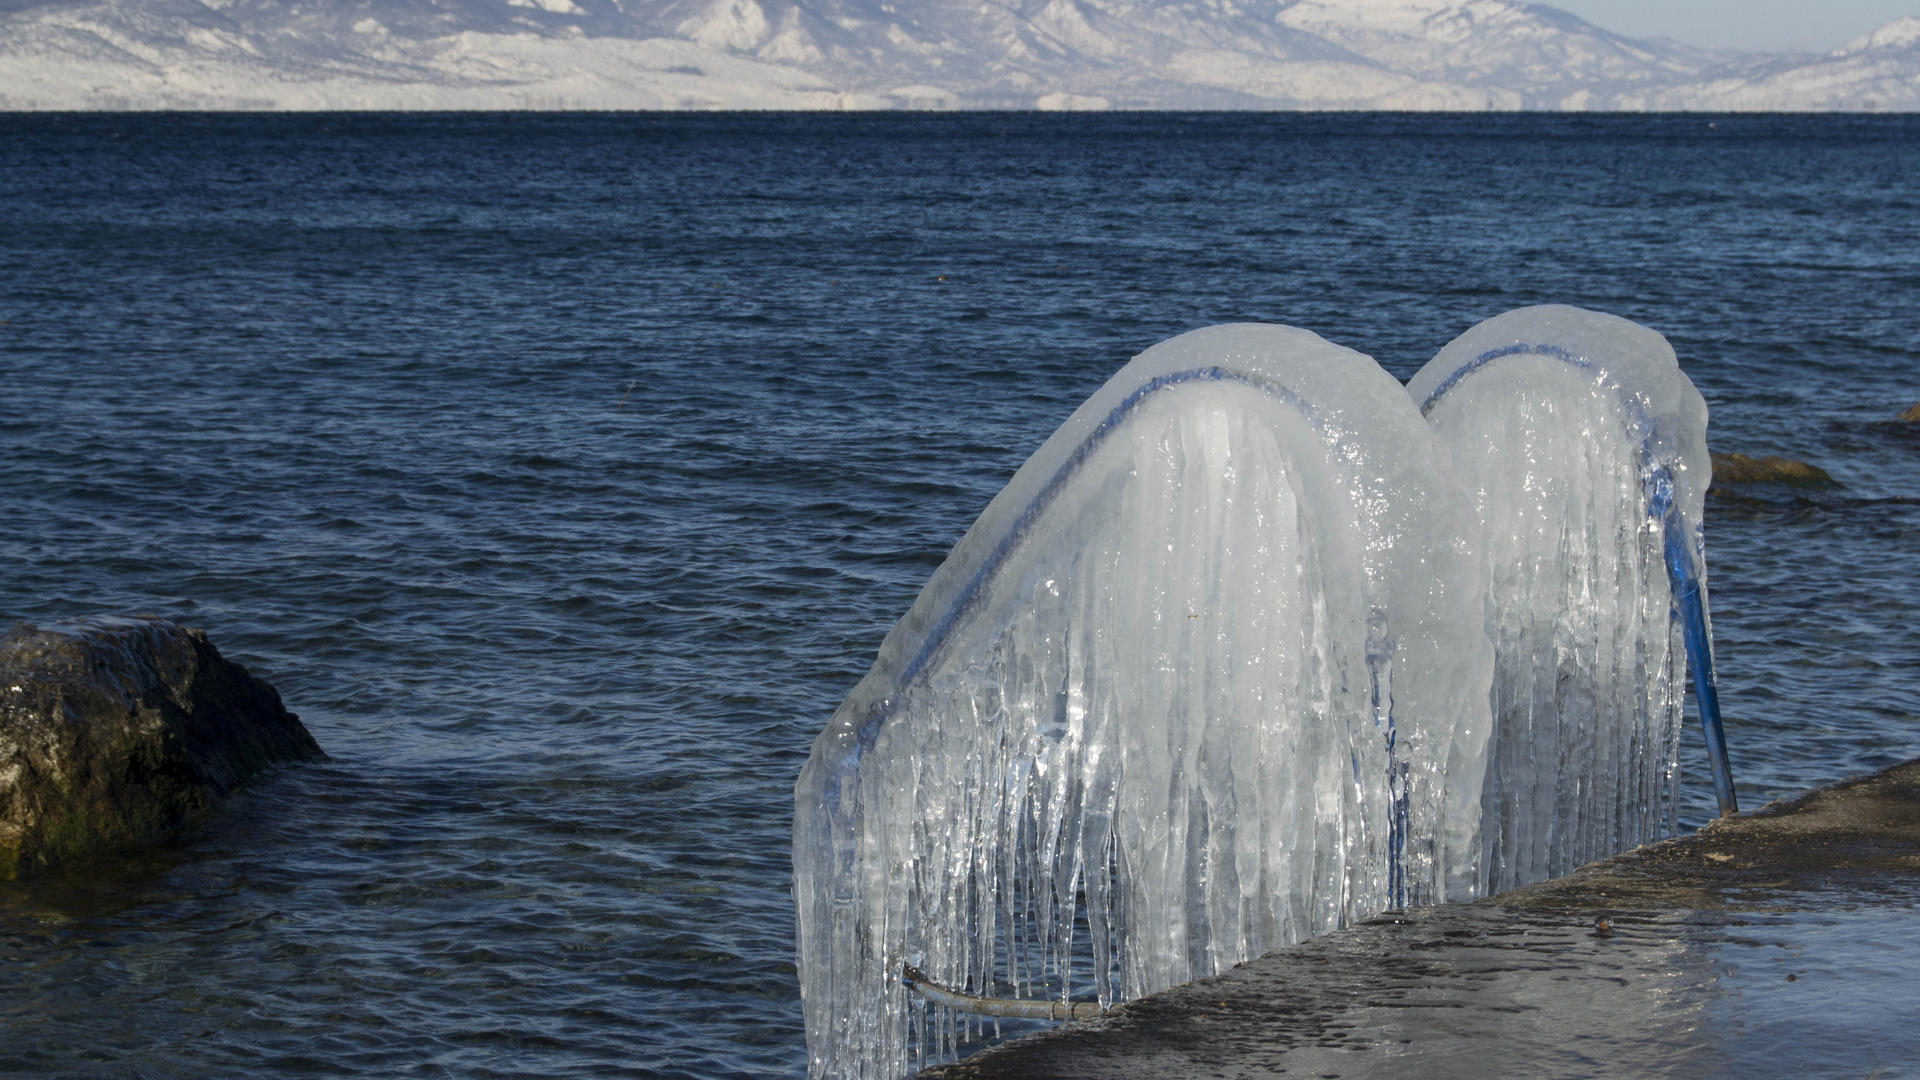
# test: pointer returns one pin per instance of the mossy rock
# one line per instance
(117, 731)
(1730, 469)
(1911, 416)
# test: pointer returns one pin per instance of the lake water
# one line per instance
(564, 472)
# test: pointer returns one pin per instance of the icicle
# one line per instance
(1583, 449)
(1206, 678)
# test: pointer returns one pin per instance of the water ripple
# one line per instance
(347, 392)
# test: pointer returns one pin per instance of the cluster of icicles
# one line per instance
(1258, 644)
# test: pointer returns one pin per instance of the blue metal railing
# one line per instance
(1690, 607)
(1689, 601)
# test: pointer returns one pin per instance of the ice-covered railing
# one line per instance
(1217, 671)
(1208, 677)
(1583, 449)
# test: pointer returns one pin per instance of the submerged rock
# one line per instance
(115, 730)
(1741, 469)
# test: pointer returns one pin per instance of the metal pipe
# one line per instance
(917, 981)
(1691, 608)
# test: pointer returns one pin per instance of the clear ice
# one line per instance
(1208, 677)
(1583, 449)
(1257, 644)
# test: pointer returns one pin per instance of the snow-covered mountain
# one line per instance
(1879, 72)
(838, 54)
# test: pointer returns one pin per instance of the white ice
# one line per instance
(1208, 677)
(1564, 426)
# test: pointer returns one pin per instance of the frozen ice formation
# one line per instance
(1206, 678)
(1257, 644)
(1583, 449)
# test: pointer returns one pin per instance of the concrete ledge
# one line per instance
(1861, 835)
(1605, 972)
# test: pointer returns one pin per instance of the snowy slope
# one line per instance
(184, 54)
(828, 54)
(1875, 73)
(1533, 56)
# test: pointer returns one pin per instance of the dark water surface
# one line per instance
(346, 391)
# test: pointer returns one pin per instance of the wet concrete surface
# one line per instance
(1857, 837)
(1782, 942)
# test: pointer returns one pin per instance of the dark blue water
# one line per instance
(564, 472)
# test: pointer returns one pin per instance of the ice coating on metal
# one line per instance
(1208, 677)
(1583, 449)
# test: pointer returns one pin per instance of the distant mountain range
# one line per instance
(871, 54)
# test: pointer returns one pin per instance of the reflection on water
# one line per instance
(1819, 993)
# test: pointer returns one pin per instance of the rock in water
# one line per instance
(1741, 469)
(115, 730)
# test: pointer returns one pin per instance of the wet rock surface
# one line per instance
(1730, 469)
(114, 731)
(1699, 952)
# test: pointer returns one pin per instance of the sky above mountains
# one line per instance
(1752, 25)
